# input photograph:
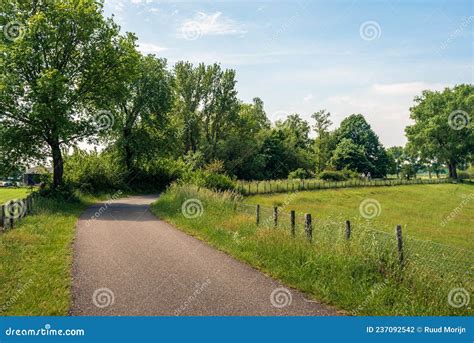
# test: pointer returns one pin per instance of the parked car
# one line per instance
(7, 184)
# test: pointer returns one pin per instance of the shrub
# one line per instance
(93, 171)
(299, 173)
(332, 175)
(462, 175)
(220, 182)
(213, 181)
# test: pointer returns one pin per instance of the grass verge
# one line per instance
(36, 258)
(361, 276)
(7, 194)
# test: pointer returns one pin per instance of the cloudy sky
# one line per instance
(369, 57)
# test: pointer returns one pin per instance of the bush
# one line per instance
(332, 175)
(93, 172)
(349, 174)
(299, 173)
(463, 175)
(220, 182)
(212, 181)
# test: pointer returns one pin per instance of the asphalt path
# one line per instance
(128, 262)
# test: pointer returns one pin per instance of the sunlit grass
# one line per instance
(420, 209)
(7, 194)
(36, 258)
(361, 276)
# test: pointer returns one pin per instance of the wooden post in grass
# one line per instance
(348, 230)
(275, 216)
(308, 227)
(400, 245)
(258, 215)
(293, 223)
(2, 217)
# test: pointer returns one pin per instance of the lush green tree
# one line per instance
(323, 144)
(141, 108)
(356, 128)
(241, 148)
(349, 155)
(296, 130)
(443, 128)
(396, 157)
(220, 106)
(188, 92)
(65, 60)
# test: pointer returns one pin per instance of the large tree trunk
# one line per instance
(128, 149)
(58, 167)
(452, 170)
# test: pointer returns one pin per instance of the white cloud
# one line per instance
(149, 48)
(406, 88)
(308, 98)
(211, 24)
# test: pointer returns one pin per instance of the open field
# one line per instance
(294, 185)
(420, 209)
(12, 193)
(362, 275)
(35, 259)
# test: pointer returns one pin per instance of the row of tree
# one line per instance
(69, 76)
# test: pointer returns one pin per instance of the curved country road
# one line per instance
(128, 262)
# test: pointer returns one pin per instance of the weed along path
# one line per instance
(128, 262)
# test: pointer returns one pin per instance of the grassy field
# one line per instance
(35, 259)
(361, 276)
(420, 209)
(12, 193)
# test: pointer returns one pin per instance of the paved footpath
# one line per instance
(128, 262)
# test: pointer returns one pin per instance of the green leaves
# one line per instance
(444, 128)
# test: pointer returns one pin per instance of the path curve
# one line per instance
(129, 262)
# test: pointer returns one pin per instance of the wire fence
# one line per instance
(281, 186)
(14, 210)
(337, 235)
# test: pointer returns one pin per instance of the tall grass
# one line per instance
(36, 259)
(361, 276)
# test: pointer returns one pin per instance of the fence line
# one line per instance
(279, 186)
(14, 210)
(406, 251)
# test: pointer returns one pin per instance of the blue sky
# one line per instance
(369, 57)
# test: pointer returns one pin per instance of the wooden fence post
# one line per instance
(293, 222)
(400, 245)
(348, 230)
(2, 216)
(258, 215)
(308, 227)
(275, 216)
